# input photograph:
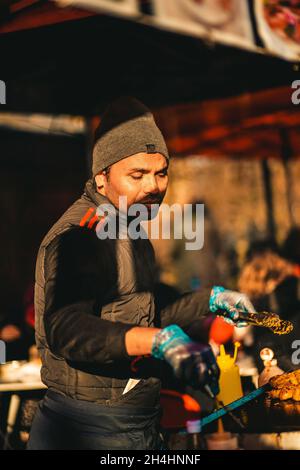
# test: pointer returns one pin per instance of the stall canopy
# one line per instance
(209, 98)
(71, 61)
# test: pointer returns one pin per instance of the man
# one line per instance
(95, 307)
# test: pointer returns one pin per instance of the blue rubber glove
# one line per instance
(191, 362)
(231, 302)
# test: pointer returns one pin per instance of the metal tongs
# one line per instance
(264, 319)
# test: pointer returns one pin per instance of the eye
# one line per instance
(163, 173)
(137, 176)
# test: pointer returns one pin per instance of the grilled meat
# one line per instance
(286, 386)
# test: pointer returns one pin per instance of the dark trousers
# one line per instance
(65, 423)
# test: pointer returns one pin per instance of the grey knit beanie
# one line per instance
(127, 127)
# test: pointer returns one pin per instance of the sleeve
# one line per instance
(75, 277)
(189, 312)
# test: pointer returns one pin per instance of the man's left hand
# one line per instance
(231, 302)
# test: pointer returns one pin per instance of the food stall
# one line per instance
(217, 91)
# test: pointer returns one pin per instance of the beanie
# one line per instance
(126, 128)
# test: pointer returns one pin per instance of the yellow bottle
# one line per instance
(230, 380)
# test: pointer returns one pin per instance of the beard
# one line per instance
(151, 207)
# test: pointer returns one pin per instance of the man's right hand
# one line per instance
(191, 362)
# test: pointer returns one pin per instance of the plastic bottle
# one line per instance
(271, 369)
(195, 441)
(230, 380)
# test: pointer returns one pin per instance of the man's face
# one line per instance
(142, 177)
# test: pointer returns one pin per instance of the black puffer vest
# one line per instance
(123, 301)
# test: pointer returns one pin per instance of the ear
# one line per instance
(100, 179)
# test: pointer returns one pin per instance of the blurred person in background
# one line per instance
(17, 326)
(270, 281)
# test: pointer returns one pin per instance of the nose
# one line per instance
(151, 185)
